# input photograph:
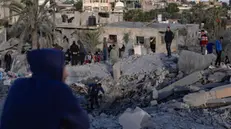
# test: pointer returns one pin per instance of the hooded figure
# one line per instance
(43, 101)
(114, 55)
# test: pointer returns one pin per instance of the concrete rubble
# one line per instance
(151, 91)
(190, 61)
(135, 119)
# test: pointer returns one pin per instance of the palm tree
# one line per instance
(33, 21)
(90, 38)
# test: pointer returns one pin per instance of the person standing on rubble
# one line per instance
(94, 90)
(169, 36)
(82, 52)
(114, 54)
(105, 50)
(74, 49)
(43, 101)
(219, 51)
(8, 61)
(203, 42)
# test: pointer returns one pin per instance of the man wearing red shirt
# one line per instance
(203, 41)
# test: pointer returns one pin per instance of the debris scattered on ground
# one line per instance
(151, 91)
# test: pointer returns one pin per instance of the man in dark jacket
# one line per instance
(8, 61)
(82, 52)
(169, 36)
(43, 101)
(94, 90)
(74, 53)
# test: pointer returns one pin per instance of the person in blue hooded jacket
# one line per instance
(94, 89)
(219, 51)
(43, 101)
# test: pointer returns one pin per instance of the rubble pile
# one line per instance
(86, 72)
(156, 92)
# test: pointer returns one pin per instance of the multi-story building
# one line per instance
(97, 5)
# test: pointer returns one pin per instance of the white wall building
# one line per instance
(96, 5)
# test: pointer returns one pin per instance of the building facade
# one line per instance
(140, 34)
(96, 5)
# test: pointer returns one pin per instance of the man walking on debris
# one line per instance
(94, 90)
(8, 61)
(43, 101)
(219, 51)
(169, 36)
(74, 53)
(203, 42)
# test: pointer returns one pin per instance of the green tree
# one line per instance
(78, 5)
(91, 38)
(126, 37)
(33, 20)
(172, 8)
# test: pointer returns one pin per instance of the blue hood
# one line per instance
(43, 98)
(46, 63)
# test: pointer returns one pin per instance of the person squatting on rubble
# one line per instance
(8, 61)
(94, 90)
(82, 52)
(219, 51)
(74, 53)
(114, 54)
(43, 101)
(203, 42)
(169, 36)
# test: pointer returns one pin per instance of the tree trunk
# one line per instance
(21, 42)
(34, 38)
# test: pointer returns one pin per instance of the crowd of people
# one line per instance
(206, 47)
(77, 54)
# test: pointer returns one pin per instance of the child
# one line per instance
(88, 58)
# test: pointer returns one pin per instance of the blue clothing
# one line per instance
(94, 89)
(218, 46)
(210, 48)
(43, 101)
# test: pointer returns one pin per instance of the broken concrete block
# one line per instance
(212, 85)
(216, 77)
(188, 80)
(153, 103)
(134, 119)
(202, 98)
(154, 94)
(190, 61)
